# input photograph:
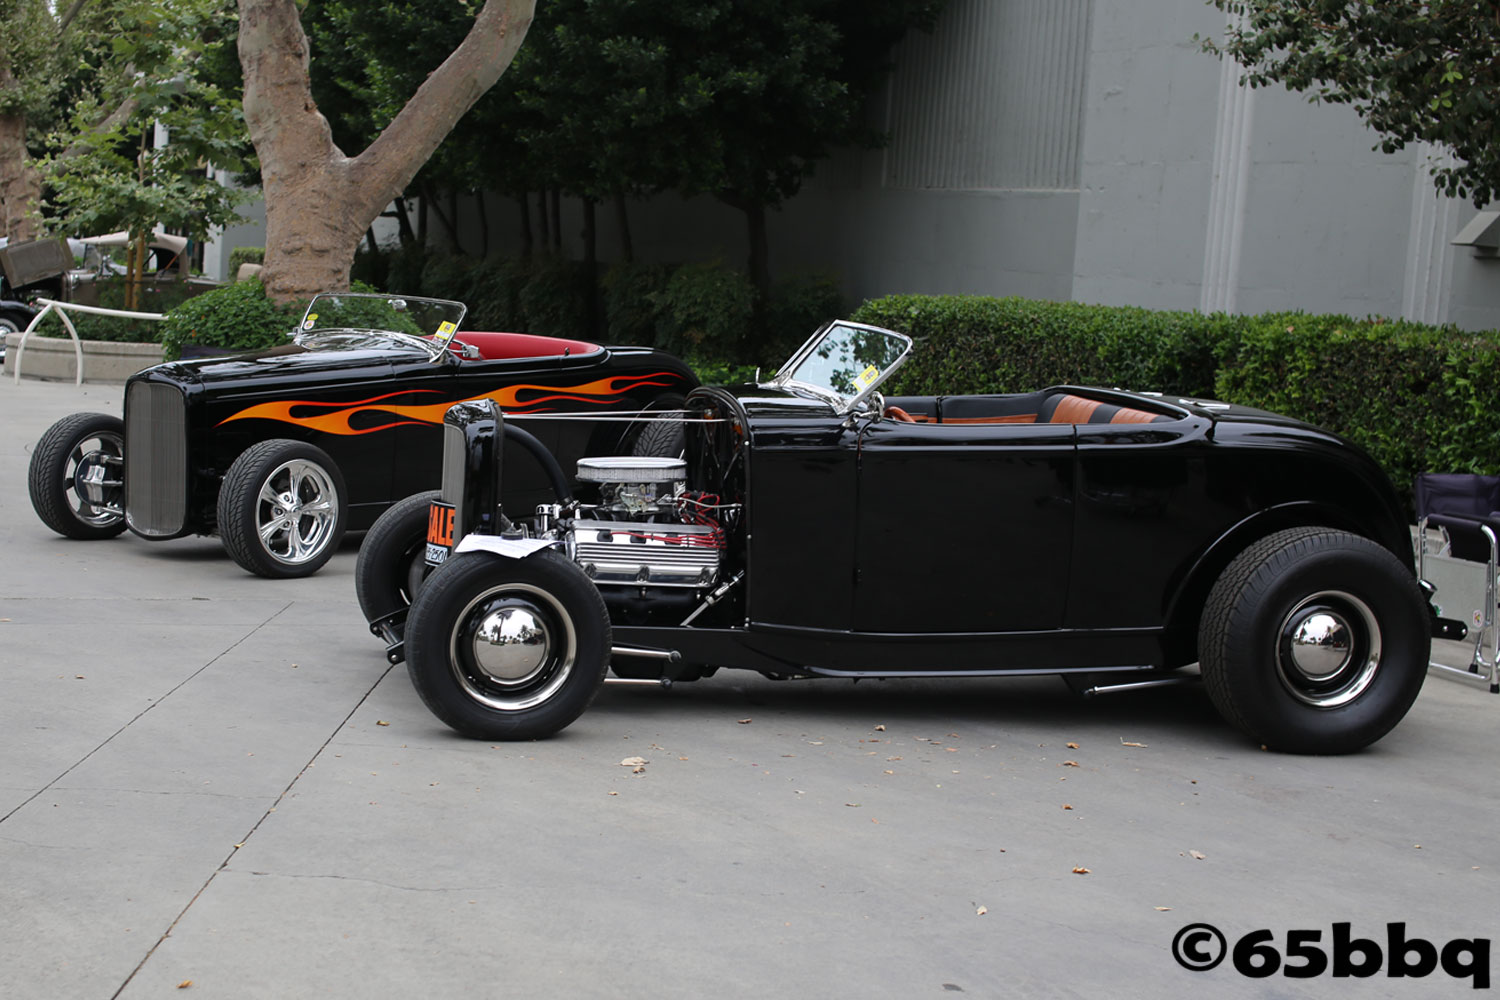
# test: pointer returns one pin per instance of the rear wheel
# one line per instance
(507, 649)
(661, 436)
(282, 509)
(392, 558)
(77, 476)
(1314, 641)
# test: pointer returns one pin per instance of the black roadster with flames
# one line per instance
(280, 451)
(810, 527)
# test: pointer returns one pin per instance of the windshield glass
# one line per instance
(403, 314)
(846, 360)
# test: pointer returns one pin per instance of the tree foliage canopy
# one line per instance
(1414, 72)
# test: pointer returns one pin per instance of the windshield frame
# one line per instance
(434, 344)
(785, 377)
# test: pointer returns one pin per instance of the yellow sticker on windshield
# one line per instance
(307, 324)
(865, 377)
(446, 327)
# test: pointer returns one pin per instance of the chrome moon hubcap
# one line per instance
(512, 647)
(1328, 650)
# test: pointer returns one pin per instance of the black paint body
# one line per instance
(876, 547)
(376, 405)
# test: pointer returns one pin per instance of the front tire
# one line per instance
(1314, 641)
(282, 509)
(507, 649)
(392, 558)
(77, 476)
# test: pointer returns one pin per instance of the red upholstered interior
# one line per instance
(504, 346)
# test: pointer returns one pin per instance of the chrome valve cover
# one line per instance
(641, 553)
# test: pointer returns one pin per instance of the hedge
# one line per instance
(1418, 398)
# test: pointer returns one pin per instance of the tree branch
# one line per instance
(392, 160)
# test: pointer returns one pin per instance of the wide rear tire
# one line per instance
(1314, 641)
(507, 649)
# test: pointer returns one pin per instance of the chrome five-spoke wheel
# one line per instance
(282, 508)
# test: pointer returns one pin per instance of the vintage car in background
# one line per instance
(280, 451)
(812, 528)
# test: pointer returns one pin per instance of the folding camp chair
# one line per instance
(1465, 509)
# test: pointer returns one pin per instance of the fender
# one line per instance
(1191, 592)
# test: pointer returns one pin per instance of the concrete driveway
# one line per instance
(213, 782)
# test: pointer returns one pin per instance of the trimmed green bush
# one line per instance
(632, 296)
(236, 317)
(706, 309)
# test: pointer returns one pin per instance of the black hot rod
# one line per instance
(811, 527)
(278, 452)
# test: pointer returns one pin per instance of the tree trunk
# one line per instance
(482, 210)
(20, 182)
(403, 222)
(760, 260)
(622, 216)
(541, 200)
(318, 200)
(590, 268)
(554, 206)
(526, 237)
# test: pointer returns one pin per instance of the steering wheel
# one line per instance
(896, 413)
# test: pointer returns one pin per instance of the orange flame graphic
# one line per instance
(336, 418)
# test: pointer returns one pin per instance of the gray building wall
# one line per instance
(1089, 150)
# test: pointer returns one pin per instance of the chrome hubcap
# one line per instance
(512, 647)
(1329, 649)
(511, 644)
(296, 512)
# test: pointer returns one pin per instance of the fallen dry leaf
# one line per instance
(614, 793)
(184, 984)
(381, 722)
(852, 805)
(1066, 806)
(1072, 746)
(890, 772)
(1126, 743)
(743, 722)
(1068, 763)
(1161, 909)
(880, 729)
(634, 762)
(1080, 870)
(1197, 855)
(982, 911)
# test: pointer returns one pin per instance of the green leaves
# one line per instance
(1414, 72)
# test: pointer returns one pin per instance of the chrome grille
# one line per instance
(156, 471)
(455, 460)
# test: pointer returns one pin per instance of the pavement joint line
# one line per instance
(263, 816)
(142, 713)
